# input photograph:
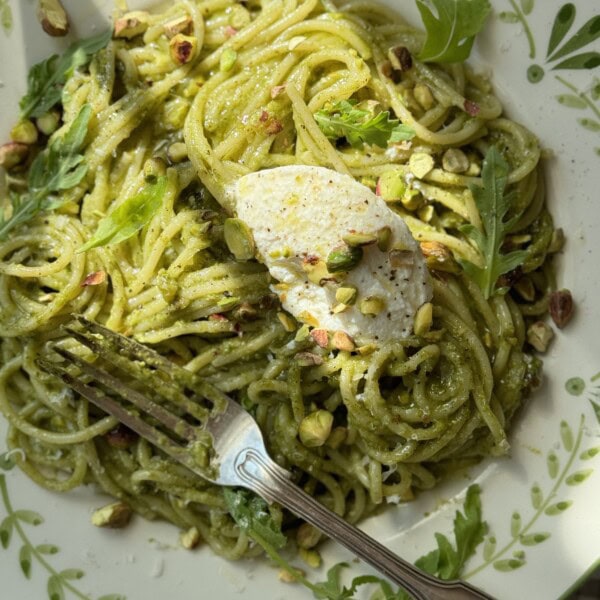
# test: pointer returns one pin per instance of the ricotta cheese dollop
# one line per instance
(300, 215)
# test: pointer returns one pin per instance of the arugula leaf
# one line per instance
(129, 217)
(59, 167)
(360, 126)
(493, 203)
(451, 27)
(46, 79)
(447, 561)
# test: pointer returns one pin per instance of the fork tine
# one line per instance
(153, 409)
(165, 386)
(108, 405)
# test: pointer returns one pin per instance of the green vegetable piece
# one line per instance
(493, 203)
(345, 119)
(344, 258)
(47, 78)
(129, 217)
(239, 239)
(451, 27)
(447, 561)
(59, 167)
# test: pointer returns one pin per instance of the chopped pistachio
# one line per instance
(539, 335)
(183, 48)
(342, 341)
(12, 154)
(315, 428)
(308, 536)
(340, 308)
(177, 152)
(420, 164)
(94, 278)
(227, 60)
(288, 322)
(238, 238)
(561, 307)
(115, 515)
(308, 359)
(557, 242)
(182, 24)
(53, 18)
(438, 257)
(344, 258)
(346, 294)
(131, 25)
(190, 538)
(423, 96)
(48, 122)
(455, 161)
(412, 199)
(303, 333)
(174, 113)
(401, 258)
(24, 132)
(426, 213)
(154, 168)
(320, 337)
(525, 288)
(366, 349)
(400, 58)
(287, 576)
(391, 186)
(316, 270)
(474, 169)
(371, 306)
(423, 319)
(311, 557)
(355, 238)
(384, 238)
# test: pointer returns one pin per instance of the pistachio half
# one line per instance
(53, 18)
(114, 516)
(344, 258)
(315, 428)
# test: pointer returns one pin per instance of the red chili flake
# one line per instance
(472, 108)
(264, 115)
(95, 278)
(230, 31)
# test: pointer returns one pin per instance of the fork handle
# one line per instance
(263, 476)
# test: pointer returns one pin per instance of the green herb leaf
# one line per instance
(447, 561)
(47, 78)
(130, 216)
(451, 27)
(493, 203)
(360, 124)
(57, 168)
(251, 513)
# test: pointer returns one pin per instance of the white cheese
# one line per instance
(298, 212)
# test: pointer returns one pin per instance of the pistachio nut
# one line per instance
(238, 238)
(344, 258)
(315, 428)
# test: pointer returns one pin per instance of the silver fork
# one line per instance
(238, 455)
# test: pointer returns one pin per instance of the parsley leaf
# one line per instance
(130, 216)
(346, 119)
(493, 203)
(451, 27)
(447, 561)
(59, 167)
(47, 78)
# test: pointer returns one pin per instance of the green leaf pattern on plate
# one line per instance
(6, 16)
(14, 526)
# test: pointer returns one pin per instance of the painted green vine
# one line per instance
(6, 16)
(15, 526)
(526, 534)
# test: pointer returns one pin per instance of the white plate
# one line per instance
(541, 504)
